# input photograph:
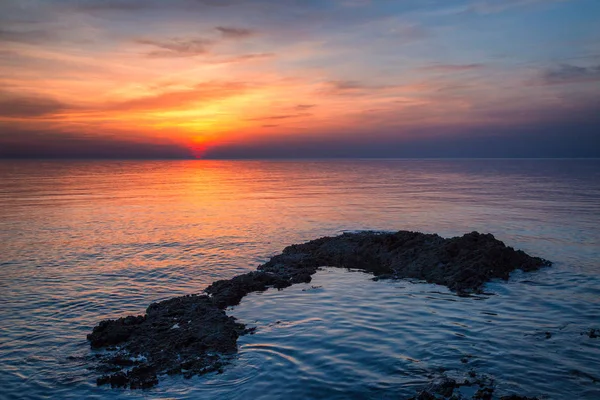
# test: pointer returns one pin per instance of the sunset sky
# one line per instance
(299, 78)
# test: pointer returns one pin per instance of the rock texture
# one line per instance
(443, 388)
(191, 334)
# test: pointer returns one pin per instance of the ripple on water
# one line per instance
(84, 241)
(321, 339)
(391, 335)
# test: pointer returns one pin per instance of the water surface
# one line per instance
(82, 241)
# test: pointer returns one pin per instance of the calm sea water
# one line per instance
(83, 241)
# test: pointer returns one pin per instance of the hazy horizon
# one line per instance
(286, 159)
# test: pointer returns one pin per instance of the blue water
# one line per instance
(83, 241)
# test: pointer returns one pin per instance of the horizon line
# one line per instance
(283, 158)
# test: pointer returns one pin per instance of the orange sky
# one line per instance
(204, 76)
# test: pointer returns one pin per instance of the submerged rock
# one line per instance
(482, 388)
(592, 333)
(190, 334)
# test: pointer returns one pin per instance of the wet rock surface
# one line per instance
(185, 335)
(463, 264)
(592, 333)
(482, 388)
(192, 335)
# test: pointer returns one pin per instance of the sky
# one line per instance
(299, 78)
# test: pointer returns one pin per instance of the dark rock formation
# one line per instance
(190, 334)
(443, 387)
(462, 264)
(592, 333)
(183, 335)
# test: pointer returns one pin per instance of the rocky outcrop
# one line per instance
(192, 334)
(442, 388)
(187, 335)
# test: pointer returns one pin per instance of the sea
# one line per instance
(82, 241)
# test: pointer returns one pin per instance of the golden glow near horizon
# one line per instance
(203, 75)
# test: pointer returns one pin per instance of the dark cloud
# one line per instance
(305, 106)
(13, 105)
(242, 58)
(136, 5)
(352, 87)
(19, 143)
(494, 6)
(279, 117)
(541, 141)
(449, 89)
(572, 131)
(567, 73)
(346, 85)
(405, 34)
(234, 33)
(194, 46)
(32, 36)
(178, 47)
(287, 17)
(452, 67)
(139, 5)
(19, 106)
(116, 5)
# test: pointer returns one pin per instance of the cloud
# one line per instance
(20, 143)
(178, 47)
(35, 106)
(194, 46)
(551, 138)
(452, 67)
(305, 106)
(137, 5)
(490, 6)
(346, 85)
(114, 5)
(188, 5)
(242, 58)
(177, 99)
(19, 106)
(279, 117)
(32, 36)
(408, 33)
(351, 87)
(567, 73)
(234, 33)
